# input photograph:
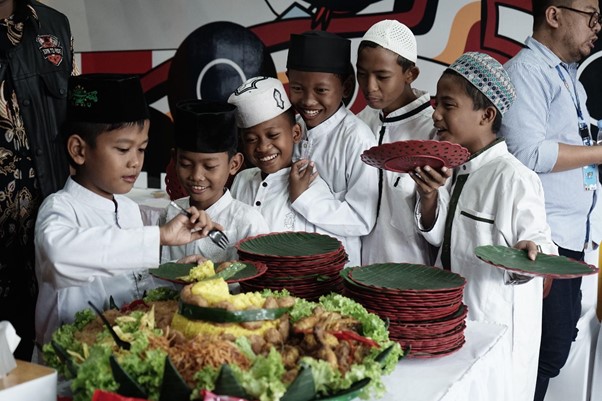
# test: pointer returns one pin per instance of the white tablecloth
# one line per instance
(152, 202)
(468, 374)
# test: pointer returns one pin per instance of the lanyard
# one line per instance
(574, 98)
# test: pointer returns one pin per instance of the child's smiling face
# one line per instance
(113, 164)
(204, 175)
(269, 145)
(455, 118)
(315, 95)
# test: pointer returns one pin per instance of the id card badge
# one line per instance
(590, 176)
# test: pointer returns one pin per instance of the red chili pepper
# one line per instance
(100, 395)
(352, 335)
(134, 305)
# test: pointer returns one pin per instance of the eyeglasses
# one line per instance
(594, 16)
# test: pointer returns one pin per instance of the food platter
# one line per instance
(515, 260)
(171, 272)
(405, 156)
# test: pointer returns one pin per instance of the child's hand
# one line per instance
(302, 174)
(428, 180)
(529, 246)
(181, 229)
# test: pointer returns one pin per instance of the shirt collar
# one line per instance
(483, 156)
(85, 196)
(222, 203)
(422, 101)
(332, 121)
(548, 55)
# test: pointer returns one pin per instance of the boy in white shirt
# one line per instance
(205, 158)
(386, 69)
(320, 76)
(90, 241)
(494, 200)
(269, 132)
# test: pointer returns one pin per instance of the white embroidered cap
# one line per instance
(394, 36)
(259, 99)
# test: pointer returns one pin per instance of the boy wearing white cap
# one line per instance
(386, 69)
(494, 200)
(269, 131)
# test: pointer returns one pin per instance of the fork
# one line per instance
(218, 237)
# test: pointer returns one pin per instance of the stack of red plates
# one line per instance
(306, 264)
(422, 304)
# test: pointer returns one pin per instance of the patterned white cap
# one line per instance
(487, 75)
(259, 99)
(394, 36)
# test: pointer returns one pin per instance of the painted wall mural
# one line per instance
(207, 48)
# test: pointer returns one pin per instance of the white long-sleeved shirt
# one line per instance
(89, 248)
(395, 237)
(238, 219)
(501, 203)
(270, 195)
(335, 146)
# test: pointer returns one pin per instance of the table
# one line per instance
(152, 203)
(29, 382)
(471, 373)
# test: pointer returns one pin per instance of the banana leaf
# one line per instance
(349, 394)
(303, 388)
(404, 276)
(171, 271)
(289, 244)
(226, 384)
(128, 387)
(173, 387)
(544, 265)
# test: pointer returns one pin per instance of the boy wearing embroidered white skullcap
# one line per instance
(266, 121)
(386, 70)
(494, 200)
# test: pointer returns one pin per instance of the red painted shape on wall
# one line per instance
(122, 62)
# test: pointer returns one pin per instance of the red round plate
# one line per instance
(405, 164)
(429, 151)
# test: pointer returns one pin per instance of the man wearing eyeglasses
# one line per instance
(547, 128)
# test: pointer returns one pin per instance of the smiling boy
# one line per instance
(494, 200)
(89, 239)
(333, 138)
(269, 132)
(386, 69)
(206, 156)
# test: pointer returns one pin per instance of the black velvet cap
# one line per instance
(205, 126)
(319, 51)
(106, 99)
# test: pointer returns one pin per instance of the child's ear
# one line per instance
(489, 115)
(296, 133)
(411, 74)
(236, 162)
(348, 86)
(76, 147)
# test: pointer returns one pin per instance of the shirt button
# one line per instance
(463, 167)
(264, 184)
(62, 91)
(257, 203)
(26, 102)
(39, 152)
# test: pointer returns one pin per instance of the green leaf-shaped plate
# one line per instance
(171, 271)
(289, 244)
(517, 261)
(405, 277)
